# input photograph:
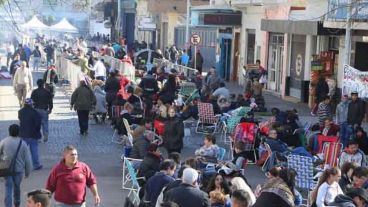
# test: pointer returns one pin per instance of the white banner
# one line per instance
(355, 80)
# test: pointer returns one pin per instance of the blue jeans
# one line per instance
(58, 204)
(12, 185)
(345, 133)
(33, 145)
(44, 120)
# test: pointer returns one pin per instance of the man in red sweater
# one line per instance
(68, 181)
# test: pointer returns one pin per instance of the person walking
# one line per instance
(50, 54)
(50, 78)
(39, 198)
(22, 83)
(15, 64)
(36, 58)
(83, 100)
(43, 104)
(13, 147)
(30, 130)
(69, 190)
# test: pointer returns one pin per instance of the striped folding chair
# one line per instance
(187, 88)
(228, 127)
(247, 133)
(331, 151)
(207, 118)
(303, 167)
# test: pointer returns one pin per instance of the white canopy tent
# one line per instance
(64, 26)
(35, 24)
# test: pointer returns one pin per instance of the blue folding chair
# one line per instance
(221, 153)
(130, 179)
(303, 167)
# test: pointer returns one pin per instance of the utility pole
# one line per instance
(348, 34)
(187, 25)
(119, 19)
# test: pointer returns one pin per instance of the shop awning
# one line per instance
(288, 26)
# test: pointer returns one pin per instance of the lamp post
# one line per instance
(347, 54)
(187, 24)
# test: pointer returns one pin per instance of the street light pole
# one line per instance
(348, 34)
(187, 25)
(119, 18)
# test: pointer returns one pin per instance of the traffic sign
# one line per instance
(195, 39)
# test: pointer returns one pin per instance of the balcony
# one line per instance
(246, 3)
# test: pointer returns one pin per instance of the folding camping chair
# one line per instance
(115, 112)
(130, 179)
(228, 127)
(269, 153)
(331, 152)
(221, 153)
(207, 118)
(303, 167)
(247, 133)
(187, 88)
(321, 139)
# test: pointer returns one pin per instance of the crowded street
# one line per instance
(174, 103)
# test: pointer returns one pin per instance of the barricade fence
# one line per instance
(70, 71)
(187, 71)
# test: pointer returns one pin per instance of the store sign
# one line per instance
(339, 9)
(355, 80)
(223, 19)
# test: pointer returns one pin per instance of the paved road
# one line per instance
(95, 149)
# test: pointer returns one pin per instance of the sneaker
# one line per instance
(38, 168)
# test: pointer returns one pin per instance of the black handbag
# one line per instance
(10, 171)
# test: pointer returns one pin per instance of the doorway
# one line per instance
(275, 61)
(225, 59)
(361, 60)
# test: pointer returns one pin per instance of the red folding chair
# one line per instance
(246, 132)
(331, 151)
(321, 139)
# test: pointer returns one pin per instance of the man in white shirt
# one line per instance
(100, 69)
(22, 83)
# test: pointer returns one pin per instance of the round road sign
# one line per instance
(195, 39)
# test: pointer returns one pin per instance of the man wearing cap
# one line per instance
(356, 111)
(22, 82)
(42, 99)
(188, 193)
(30, 130)
(355, 197)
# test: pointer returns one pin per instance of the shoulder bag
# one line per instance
(10, 170)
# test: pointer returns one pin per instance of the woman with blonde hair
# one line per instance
(327, 188)
(238, 183)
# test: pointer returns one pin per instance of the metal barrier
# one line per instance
(69, 71)
(187, 71)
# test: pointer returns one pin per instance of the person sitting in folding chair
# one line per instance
(209, 150)
(353, 154)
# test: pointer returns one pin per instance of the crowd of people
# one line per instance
(140, 111)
